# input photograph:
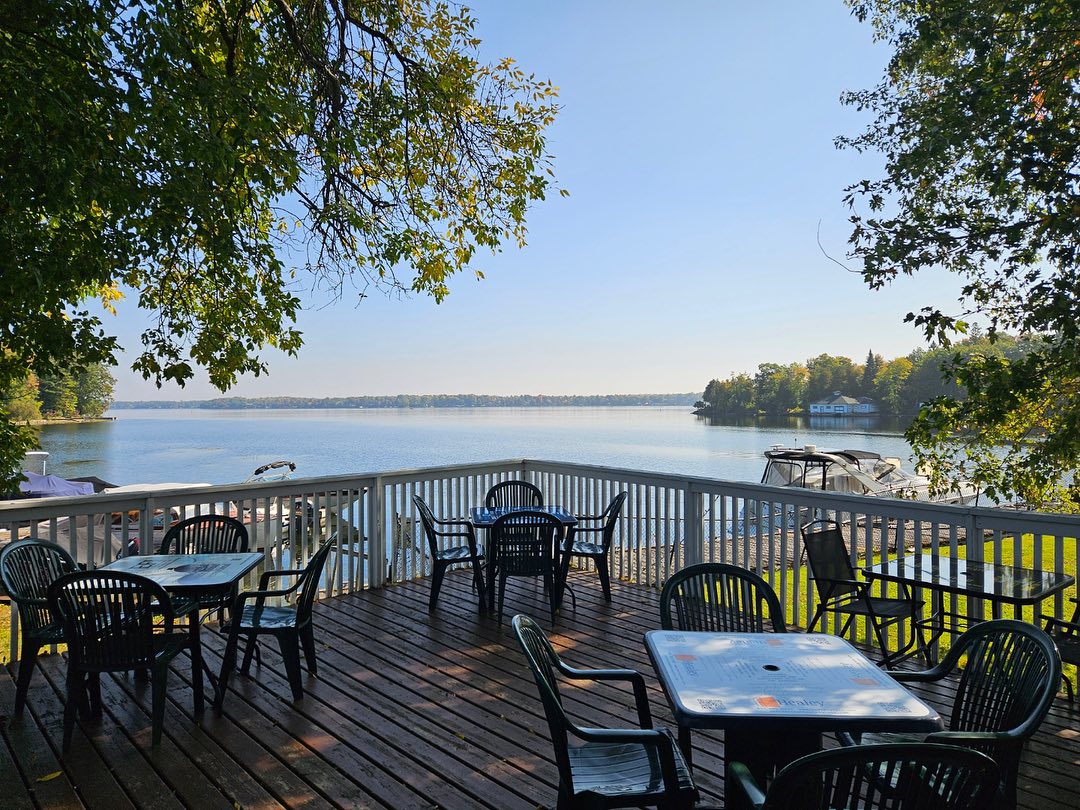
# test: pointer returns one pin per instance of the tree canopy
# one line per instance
(216, 155)
(976, 118)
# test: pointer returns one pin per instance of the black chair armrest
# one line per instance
(264, 580)
(935, 673)
(744, 780)
(641, 698)
(458, 521)
(975, 738)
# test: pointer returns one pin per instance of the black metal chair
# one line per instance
(593, 542)
(206, 534)
(841, 592)
(626, 767)
(719, 597)
(523, 544)
(518, 494)
(114, 621)
(1003, 692)
(291, 626)
(27, 569)
(1066, 634)
(442, 556)
(876, 777)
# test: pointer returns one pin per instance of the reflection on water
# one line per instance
(150, 446)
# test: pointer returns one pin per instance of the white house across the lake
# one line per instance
(840, 405)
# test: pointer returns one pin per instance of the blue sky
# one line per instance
(696, 141)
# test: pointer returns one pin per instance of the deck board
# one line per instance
(409, 710)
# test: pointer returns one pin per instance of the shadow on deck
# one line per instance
(410, 710)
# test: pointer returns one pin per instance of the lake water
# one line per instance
(217, 447)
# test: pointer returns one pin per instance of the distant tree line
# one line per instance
(424, 401)
(898, 386)
(69, 393)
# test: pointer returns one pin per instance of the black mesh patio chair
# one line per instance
(443, 556)
(601, 768)
(1066, 634)
(722, 598)
(513, 494)
(591, 539)
(206, 534)
(1003, 692)
(114, 621)
(876, 777)
(27, 569)
(840, 591)
(291, 625)
(524, 544)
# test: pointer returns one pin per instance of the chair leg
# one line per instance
(883, 644)
(307, 641)
(553, 599)
(478, 583)
(436, 584)
(93, 689)
(251, 647)
(817, 615)
(502, 593)
(602, 571)
(75, 691)
(290, 654)
(157, 711)
(228, 664)
(27, 662)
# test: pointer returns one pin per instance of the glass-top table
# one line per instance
(975, 579)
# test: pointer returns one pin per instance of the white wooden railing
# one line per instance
(668, 521)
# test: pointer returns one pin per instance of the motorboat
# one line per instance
(857, 472)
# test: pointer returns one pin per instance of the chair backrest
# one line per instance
(720, 598)
(427, 520)
(513, 493)
(308, 587)
(905, 776)
(827, 554)
(27, 569)
(610, 516)
(523, 542)
(1012, 673)
(206, 534)
(109, 618)
(543, 660)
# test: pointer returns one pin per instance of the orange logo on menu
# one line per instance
(864, 681)
(685, 657)
(768, 702)
(775, 642)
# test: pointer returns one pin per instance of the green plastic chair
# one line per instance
(443, 556)
(27, 569)
(114, 621)
(626, 767)
(1003, 692)
(290, 625)
(722, 598)
(876, 777)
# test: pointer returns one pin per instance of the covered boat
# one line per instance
(858, 472)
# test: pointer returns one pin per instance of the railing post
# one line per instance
(377, 555)
(693, 516)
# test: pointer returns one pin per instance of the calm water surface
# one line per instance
(220, 447)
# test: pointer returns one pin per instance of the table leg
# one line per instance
(686, 746)
(763, 754)
(195, 626)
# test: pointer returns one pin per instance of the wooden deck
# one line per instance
(410, 710)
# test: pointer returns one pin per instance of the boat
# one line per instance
(856, 472)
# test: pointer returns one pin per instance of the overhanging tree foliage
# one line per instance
(211, 154)
(977, 117)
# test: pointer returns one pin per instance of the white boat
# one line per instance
(856, 472)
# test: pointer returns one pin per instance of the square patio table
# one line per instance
(192, 576)
(484, 518)
(975, 579)
(774, 694)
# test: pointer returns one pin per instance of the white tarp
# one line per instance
(52, 486)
